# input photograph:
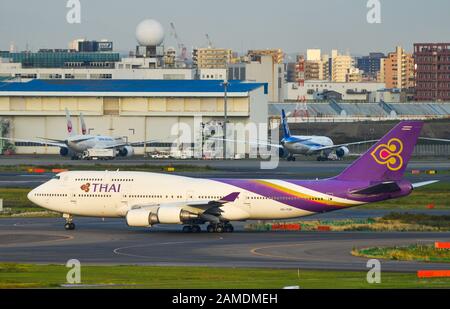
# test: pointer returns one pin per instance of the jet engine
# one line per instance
(126, 151)
(342, 152)
(145, 217)
(66, 152)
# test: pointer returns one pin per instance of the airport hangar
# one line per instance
(140, 110)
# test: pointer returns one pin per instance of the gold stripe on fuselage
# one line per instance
(303, 195)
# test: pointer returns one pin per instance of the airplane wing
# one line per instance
(343, 145)
(198, 206)
(133, 144)
(52, 140)
(256, 143)
(51, 143)
(142, 142)
(82, 139)
(214, 203)
(435, 139)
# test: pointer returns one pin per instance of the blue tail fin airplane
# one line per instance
(322, 146)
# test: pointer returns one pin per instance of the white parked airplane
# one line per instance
(76, 144)
(146, 199)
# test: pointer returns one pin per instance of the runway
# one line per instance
(221, 169)
(111, 242)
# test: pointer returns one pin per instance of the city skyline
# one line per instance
(335, 24)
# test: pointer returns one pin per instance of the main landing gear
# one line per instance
(192, 229)
(291, 158)
(220, 228)
(211, 228)
(69, 226)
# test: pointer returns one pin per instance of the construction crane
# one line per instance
(208, 40)
(181, 48)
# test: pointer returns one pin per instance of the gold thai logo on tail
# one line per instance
(389, 154)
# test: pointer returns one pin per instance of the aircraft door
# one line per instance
(246, 201)
(190, 196)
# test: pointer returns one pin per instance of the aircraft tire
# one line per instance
(69, 226)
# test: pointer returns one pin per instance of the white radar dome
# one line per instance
(149, 32)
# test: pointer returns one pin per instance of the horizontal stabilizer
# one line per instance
(384, 187)
(424, 183)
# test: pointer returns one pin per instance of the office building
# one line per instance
(370, 65)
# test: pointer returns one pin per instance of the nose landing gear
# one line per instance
(69, 226)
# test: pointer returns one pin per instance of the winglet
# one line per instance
(229, 198)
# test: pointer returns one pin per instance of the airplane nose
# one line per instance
(31, 196)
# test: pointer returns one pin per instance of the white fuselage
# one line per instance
(113, 194)
(305, 145)
(90, 142)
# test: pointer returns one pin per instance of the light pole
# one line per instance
(225, 117)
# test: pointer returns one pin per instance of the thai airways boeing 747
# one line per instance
(146, 199)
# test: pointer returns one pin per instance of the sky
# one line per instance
(292, 25)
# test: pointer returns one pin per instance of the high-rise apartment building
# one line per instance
(211, 58)
(341, 65)
(313, 55)
(316, 65)
(326, 67)
(314, 70)
(277, 55)
(432, 71)
(398, 70)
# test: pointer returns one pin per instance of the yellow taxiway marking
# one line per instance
(119, 250)
(64, 238)
(255, 251)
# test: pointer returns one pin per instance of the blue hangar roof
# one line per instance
(116, 85)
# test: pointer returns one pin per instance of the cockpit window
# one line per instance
(57, 177)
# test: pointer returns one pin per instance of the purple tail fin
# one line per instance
(387, 159)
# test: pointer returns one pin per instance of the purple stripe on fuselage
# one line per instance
(342, 189)
(266, 191)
